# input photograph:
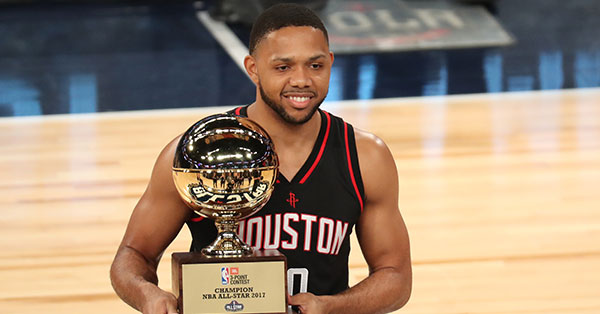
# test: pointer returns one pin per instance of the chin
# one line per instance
(288, 114)
(303, 116)
(301, 120)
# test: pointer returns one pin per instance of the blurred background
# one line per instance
(490, 108)
(61, 57)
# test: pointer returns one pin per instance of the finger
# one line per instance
(292, 299)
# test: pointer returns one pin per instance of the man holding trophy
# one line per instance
(329, 178)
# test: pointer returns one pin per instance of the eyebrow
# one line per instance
(289, 59)
(319, 56)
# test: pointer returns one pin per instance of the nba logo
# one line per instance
(225, 275)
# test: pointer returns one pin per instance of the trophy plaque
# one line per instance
(224, 169)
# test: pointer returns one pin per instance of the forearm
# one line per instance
(384, 291)
(133, 277)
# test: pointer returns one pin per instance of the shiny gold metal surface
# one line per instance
(225, 168)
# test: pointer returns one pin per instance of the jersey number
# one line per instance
(297, 280)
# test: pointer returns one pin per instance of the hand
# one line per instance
(308, 303)
(160, 302)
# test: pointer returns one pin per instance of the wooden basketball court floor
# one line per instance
(500, 193)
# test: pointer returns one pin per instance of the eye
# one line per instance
(316, 66)
(282, 68)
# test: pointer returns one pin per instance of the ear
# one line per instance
(251, 68)
(331, 56)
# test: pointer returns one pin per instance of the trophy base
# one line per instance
(244, 284)
(228, 244)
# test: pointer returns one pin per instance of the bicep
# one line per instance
(381, 230)
(383, 239)
(159, 214)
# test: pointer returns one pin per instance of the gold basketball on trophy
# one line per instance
(225, 168)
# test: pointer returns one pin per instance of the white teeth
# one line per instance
(299, 99)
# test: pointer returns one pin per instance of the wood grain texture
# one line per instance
(499, 193)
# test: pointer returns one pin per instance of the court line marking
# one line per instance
(226, 38)
(398, 101)
(126, 114)
(509, 258)
(361, 103)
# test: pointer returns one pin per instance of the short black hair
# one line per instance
(280, 16)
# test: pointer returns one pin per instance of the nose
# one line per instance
(300, 78)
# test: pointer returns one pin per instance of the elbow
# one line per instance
(404, 297)
(401, 299)
(404, 292)
(114, 273)
(119, 267)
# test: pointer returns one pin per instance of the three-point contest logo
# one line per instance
(226, 273)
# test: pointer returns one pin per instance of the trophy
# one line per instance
(224, 169)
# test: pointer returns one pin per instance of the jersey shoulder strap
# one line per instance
(347, 155)
(241, 111)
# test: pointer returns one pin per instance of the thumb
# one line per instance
(292, 299)
(297, 299)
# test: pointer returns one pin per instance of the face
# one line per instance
(291, 68)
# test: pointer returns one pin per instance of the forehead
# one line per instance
(292, 41)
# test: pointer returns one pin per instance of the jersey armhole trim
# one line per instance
(351, 170)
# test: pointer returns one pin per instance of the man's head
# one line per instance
(280, 16)
(289, 61)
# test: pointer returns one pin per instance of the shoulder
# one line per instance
(369, 146)
(169, 149)
(162, 170)
(377, 165)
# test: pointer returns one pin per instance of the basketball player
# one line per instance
(332, 178)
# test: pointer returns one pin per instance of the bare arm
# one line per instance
(383, 238)
(154, 223)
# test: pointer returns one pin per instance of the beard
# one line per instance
(278, 108)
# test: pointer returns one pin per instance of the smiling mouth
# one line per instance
(298, 102)
(299, 98)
